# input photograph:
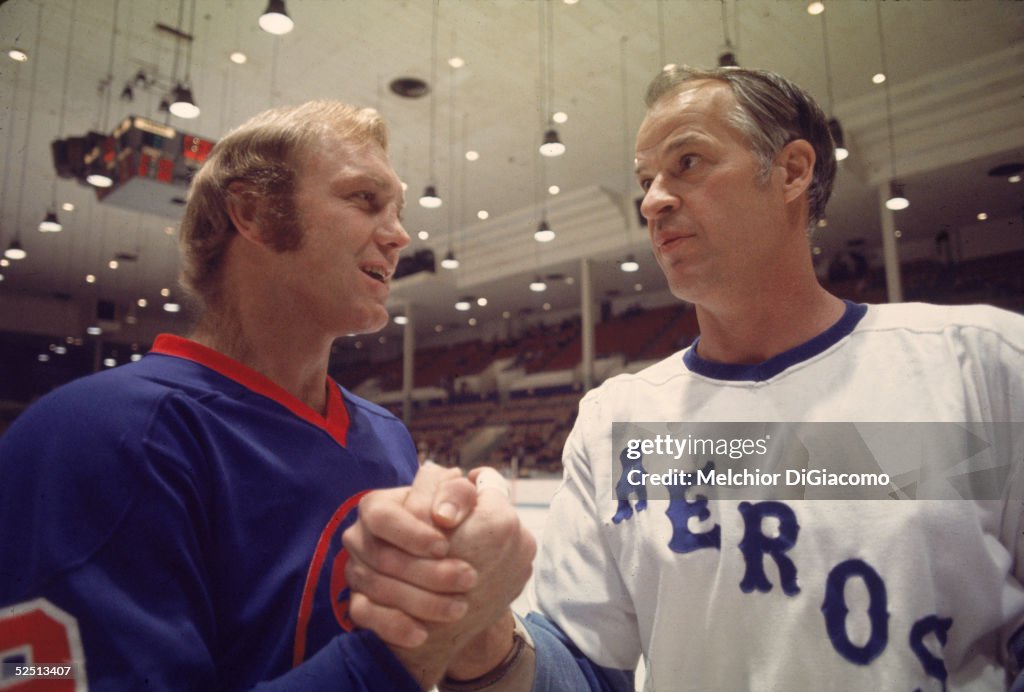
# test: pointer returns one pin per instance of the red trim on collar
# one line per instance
(337, 420)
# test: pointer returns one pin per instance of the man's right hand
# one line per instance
(434, 567)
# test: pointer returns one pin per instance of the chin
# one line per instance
(370, 323)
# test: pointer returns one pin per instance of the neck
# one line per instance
(271, 342)
(766, 326)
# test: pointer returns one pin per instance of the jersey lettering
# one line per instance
(680, 510)
(932, 664)
(623, 489)
(835, 611)
(39, 633)
(755, 545)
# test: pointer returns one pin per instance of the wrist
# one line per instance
(486, 651)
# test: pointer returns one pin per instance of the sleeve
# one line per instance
(561, 666)
(103, 526)
(578, 585)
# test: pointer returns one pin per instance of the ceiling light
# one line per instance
(897, 199)
(483, 215)
(401, 319)
(472, 155)
(14, 251)
(638, 287)
(67, 206)
(109, 362)
(93, 330)
(1, 277)
(456, 62)
(538, 285)
(449, 261)
(629, 265)
(275, 19)
(423, 235)
(135, 357)
(142, 302)
(184, 104)
(90, 278)
(97, 175)
(543, 234)
(836, 130)
(43, 357)
(728, 59)
(552, 146)
(546, 306)
(171, 306)
(463, 304)
(982, 216)
(238, 57)
(165, 292)
(472, 322)
(1010, 171)
(560, 117)
(878, 78)
(554, 190)
(815, 8)
(17, 55)
(482, 302)
(113, 264)
(822, 222)
(430, 200)
(50, 224)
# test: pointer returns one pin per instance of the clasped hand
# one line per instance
(433, 568)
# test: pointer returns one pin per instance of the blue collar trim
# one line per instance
(777, 364)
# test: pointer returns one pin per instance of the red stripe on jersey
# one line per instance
(334, 424)
(313, 576)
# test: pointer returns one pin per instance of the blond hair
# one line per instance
(265, 152)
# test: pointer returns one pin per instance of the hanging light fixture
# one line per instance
(50, 224)
(897, 197)
(629, 265)
(184, 104)
(275, 19)
(538, 285)
(727, 58)
(14, 251)
(834, 128)
(552, 145)
(544, 234)
(449, 261)
(463, 304)
(430, 199)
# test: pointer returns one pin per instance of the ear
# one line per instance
(244, 210)
(797, 160)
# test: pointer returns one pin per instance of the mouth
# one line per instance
(377, 272)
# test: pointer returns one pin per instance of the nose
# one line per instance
(658, 201)
(392, 232)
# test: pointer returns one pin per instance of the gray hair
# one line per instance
(771, 112)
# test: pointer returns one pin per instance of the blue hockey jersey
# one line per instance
(176, 523)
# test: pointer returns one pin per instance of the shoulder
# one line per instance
(967, 323)
(376, 431)
(357, 405)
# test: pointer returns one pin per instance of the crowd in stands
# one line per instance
(527, 429)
